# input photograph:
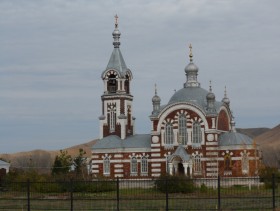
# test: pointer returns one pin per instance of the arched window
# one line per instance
(106, 166)
(112, 84)
(144, 165)
(183, 136)
(197, 136)
(245, 164)
(133, 166)
(197, 168)
(169, 136)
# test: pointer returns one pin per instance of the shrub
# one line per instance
(175, 184)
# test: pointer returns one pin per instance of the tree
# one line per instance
(62, 163)
(80, 163)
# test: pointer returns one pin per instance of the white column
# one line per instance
(190, 165)
(170, 165)
(186, 165)
(105, 85)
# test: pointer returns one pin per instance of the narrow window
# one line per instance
(126, 85)
(169, 136)
(106, 166)
(183, 136)
(133, 165)
(197, 136)
(245, 164)
(227, 161)
(112, 116)
(197, 165)
(144, 165)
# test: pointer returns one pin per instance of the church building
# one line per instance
(193, 134)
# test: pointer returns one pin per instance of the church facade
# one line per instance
(193, 134)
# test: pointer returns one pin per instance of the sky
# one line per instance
(52, 54)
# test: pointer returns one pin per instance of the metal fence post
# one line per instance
(118, 194)
(71, 195)
(219, 193)
(28, 194)
(166, 194)
(273, 191)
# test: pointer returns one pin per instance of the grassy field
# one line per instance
(234, 198)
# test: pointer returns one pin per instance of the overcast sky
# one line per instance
(52, 54)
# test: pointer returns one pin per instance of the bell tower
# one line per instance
(116, 118)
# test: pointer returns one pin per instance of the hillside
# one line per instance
(42, 159)
(253, 132)
(269, 143)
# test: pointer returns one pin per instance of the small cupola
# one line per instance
(210, 98)
(191, 71)
(156, 102)
(226, 100)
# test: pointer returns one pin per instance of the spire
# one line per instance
(226, 99)
(116, 61)
(210, 97)
(155, 89)
(116, 34)
(190, 54)
(232, 123)
(156, 102)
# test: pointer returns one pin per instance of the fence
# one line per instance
(161, 195)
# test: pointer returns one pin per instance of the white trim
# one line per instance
(155, 154)
(211, 148)
(156, 170)
(121, 150)
(155, 145)
(155, 150)
(156, 164)
(211, 143)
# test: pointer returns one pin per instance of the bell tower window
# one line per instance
(126, 85)
(112, 84)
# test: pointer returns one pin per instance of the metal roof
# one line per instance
(234, 138)
(180, 152)
(113, 142)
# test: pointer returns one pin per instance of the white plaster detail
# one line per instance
(155, 139)
(210, 137)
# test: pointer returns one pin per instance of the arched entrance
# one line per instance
(181, 170)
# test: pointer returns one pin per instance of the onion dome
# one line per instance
(191, 71)
(210, 96)
(226, 99)
(156, 98)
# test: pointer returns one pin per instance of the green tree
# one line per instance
(80, 163)
(62, 163)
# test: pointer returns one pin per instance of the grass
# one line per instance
(239, 197)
